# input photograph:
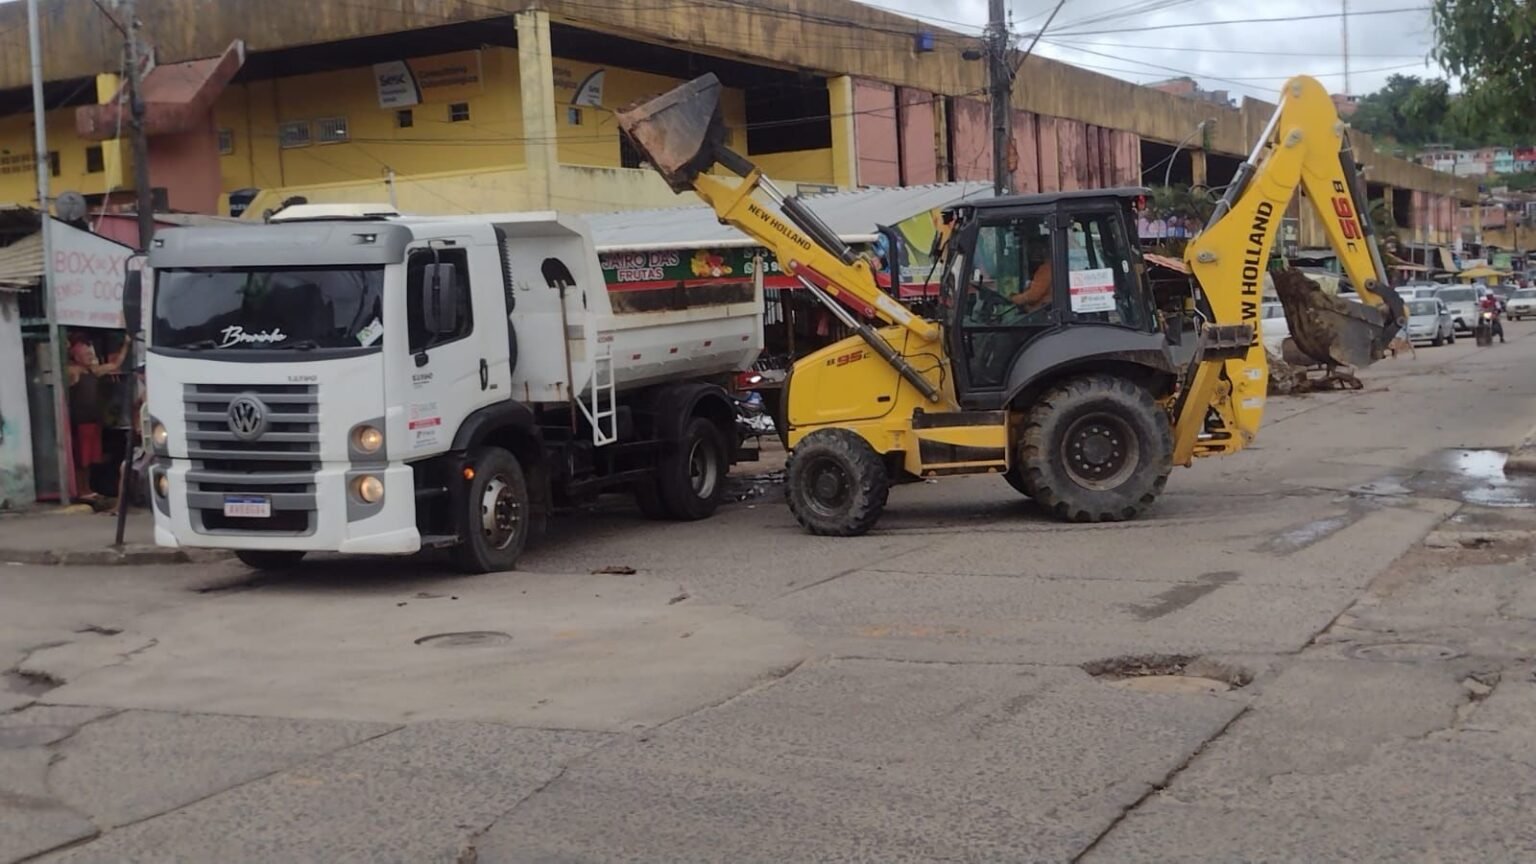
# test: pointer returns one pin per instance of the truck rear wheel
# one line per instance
(836, 484)
(1096, 449)
(497, 513)
(690, 476)
(269, 559)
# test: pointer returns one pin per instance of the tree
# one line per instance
(1489, 45)
(1408, 109)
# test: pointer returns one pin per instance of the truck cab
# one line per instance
(377, 384)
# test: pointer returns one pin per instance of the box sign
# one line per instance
(442, 78)
(87, 278)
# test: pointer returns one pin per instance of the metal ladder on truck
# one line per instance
(603, 410)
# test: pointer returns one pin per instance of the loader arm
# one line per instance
(1305, 146)
(682, 134)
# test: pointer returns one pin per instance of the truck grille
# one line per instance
(278, 463)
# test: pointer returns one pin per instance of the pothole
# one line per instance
(29, 684)
(1405, 652)
(465, 639)
(1169, 673)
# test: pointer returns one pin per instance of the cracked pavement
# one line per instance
(751, 693)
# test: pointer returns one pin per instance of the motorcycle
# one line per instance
(1488, 326)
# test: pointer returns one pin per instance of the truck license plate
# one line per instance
(247, 506)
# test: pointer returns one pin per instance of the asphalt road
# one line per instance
(1275, 666)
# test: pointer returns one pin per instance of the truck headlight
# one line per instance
(162, 486)
(367, 439)
(368, 489)
(158, 436)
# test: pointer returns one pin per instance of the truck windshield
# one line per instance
(271, 308)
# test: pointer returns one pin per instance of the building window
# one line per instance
(226, 142)
(629, 154)
(458, 112)
(573, 116)
(95, 160)
(404, 118)
(53, 163)
(24, 163)
(293, 134)
(331, 130)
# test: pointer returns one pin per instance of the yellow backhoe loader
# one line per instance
(1052, 358)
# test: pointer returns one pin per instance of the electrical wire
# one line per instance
(1283, 19)
(1183, 50)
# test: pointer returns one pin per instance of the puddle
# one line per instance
(1470, 476)
(1405, 652)
(1299, 538)
(466, 639)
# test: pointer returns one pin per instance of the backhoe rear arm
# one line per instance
(1305, 146)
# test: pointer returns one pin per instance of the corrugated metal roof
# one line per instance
(21, 263)
(853, 215)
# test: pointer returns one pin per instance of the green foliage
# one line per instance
(1413, 112)
(1489, 45)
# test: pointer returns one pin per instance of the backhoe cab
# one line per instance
(1048, 361)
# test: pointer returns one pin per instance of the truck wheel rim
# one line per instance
(703, 469)
(828, 487)
(1100, 451)
(500, 513)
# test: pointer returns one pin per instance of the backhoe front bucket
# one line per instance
(680, 132)
(1330, 330)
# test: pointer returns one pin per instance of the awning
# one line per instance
(1481, 273)
(21, 263)
(851, 215)
(177, 97)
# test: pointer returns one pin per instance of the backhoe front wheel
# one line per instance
(836, 484)
(1096, 449)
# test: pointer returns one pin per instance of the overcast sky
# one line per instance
(1380, 45)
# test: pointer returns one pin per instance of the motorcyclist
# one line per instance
(1490, 303)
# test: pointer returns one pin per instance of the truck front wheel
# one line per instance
(836, 484)
(1096, 449)
(497, 513)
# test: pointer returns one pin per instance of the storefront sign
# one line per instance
(443, 78)
(639, 270)
(87, 278)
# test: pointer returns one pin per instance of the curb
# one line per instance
(1522, 459)
(127, 556)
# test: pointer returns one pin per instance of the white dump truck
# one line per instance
(349, 381)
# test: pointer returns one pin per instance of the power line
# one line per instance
(1243, 51)
(1284, 19)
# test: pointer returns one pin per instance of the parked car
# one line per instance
(1522, 304)
(1275, 328)
(1462, 301)
(1418, 290)
(1430, 321)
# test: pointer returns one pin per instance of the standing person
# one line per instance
(85, 415)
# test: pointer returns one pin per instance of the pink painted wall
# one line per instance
(1025, 141)
(187, 166)
(874, 133)
(920, 162)
(1072, 154)
(1048, 145)
(971, 133)
(1125, 150)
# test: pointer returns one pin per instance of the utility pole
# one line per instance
(55, 332)
(1000, 89)
(1344, 19)
(145, 208)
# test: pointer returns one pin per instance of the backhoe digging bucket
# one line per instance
(1331, 330)
(680, 132)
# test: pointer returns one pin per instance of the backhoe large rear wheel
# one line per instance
(1096, 449)
(836, 484)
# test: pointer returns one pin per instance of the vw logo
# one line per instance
(247, 417)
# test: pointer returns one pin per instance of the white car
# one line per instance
(1463, 305)
(1275, 327)
(1429, 321)
(1521, 304)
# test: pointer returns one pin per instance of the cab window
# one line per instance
(1103, 283)
(1009, 283)
(415, 288)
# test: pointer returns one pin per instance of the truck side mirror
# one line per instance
(440, 300)
(133, 301)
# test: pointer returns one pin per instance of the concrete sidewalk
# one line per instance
(71, 536)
